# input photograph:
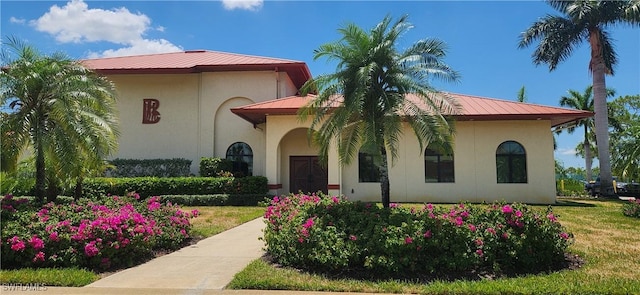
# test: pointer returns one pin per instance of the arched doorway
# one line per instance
(307, 175)
(302, 171)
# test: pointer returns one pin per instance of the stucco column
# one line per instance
(272, 160)
(334, 171)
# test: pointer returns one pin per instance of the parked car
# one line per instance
(631, 189)
(593, 187)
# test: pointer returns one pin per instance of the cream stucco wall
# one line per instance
(196, 122)
(286, 136)
(294, 143)
(194, 110)
(475, 169)
(178, 97)
(474, 165)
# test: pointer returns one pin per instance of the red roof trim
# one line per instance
(474, 108)
(197, 61)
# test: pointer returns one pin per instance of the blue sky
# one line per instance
(482, 37)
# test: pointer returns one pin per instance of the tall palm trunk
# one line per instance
(587, 158)
(598, 69)
(384, 178)
(77, 192)
(41, 177)
(587, 153)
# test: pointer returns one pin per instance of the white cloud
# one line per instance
(75, 22)
(139, 47)
(566, 152)
(242, 4)
(15, 20)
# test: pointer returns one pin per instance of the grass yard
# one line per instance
(211, 221)
(606, 239)
(214, 220)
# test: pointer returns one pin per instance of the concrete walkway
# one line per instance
(204, 268)
(208, 265)
(151, 291)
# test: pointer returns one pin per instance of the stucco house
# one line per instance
(200, 103)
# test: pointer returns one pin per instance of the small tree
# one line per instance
(583, 101)
(585, 21)
(372, 81)
(63, 112)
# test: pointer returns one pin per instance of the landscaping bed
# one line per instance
(603, 259)
(209, 221)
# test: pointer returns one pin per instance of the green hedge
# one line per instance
(155, 186)
(212, 167)
(150, 167)
(216, 200)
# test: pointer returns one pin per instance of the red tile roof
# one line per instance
(197, 61)
(472, 108)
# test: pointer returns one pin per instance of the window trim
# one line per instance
(244, 157)
(370, 158)
(440, 166)
(511, 157)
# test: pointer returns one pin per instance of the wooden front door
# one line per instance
(307, 175)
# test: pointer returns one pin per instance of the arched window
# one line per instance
(241, 155)
(438, 166)
(368, 167)
(511, 163)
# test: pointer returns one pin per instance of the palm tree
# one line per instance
(585, 21)
(370, 84)
(62, 111)
(522, 94)
(625, 154)
(584, 102)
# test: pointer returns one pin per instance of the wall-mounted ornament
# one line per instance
(150, 114)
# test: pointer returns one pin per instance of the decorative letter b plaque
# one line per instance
(150, 114)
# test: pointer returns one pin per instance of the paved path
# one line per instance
(151, 291)
(204, 268)
(208, 265)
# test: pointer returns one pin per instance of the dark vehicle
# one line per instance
(593, 187)
(631, 190)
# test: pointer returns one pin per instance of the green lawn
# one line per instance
(211, 221)
(606, 239)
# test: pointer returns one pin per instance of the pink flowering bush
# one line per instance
(632, 208)
(116, 232)
(330, 234)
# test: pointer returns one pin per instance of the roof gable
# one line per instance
(197, 61)
(472, 108)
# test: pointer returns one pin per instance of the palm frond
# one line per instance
(609, 55)
(631, 13)
(558, 38)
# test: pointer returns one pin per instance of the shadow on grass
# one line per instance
(577, 202)
(572, 203)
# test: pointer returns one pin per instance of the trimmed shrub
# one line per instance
(248, 185)
(632, 208)
(330, 234)
(215, 200)
(22, 182)
(156, 186)
(150, 167)
(152, 186)
(212, 167)
(117, 232)
(572, 188)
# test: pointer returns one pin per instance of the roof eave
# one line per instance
(297, 71)
(258, 116)
(556, 119)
